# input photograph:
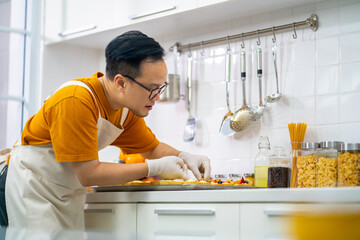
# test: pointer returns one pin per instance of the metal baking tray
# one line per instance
(166, 187)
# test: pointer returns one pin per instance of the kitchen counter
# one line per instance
(219, 214)
(292, 195)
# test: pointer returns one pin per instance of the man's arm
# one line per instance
(98, 173)
(94, 172)
(161, 150)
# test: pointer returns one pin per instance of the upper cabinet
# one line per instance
(69, 19)
(93, 23)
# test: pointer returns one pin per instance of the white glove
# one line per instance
(170, 167)
(198, 164)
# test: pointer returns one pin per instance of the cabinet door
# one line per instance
(118, 218)
(273, 220)
(69, 18)
(135, 11)
(188, 221)
(75, 18)
(203, 3)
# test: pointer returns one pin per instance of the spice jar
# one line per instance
(221, 176)
(279, 171)
(262, 163)
(326, 167)
(306, 164)
(349, 165)
(235, 176)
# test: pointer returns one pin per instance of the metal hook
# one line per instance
(258, 42)
(294, 35)
(228, 46)
(189, 54)
(273, 31)
(202, 48)
(242, 41)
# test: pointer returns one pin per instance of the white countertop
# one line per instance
(308, 195)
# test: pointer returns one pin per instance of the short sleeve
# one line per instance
(73, 130)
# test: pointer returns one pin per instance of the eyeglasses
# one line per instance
(154, 92)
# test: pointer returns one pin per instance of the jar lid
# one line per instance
(220, 176)
(234, 175)
(249, 175)
(350, 147)
(310, 145)
(331, 144)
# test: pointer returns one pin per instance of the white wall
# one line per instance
(318, 77)
(62, 63)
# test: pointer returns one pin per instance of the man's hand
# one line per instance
(198, 164)
(170, 167)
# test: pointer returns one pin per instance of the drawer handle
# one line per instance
(79, 30)
(208, 212)
(99, 210)
(277, 213)
(141, 15)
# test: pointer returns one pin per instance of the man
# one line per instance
(58, 152)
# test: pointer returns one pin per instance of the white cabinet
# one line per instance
(188, 221)
(203, 3)
(273, 220)
(118, 218)
(67, 19)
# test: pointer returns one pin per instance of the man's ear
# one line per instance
(120, 82)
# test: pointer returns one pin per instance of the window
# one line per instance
(18, 50)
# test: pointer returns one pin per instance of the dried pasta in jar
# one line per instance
(349, 169)
(326, 172)
(306, 171)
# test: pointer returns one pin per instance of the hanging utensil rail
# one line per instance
(312, 22)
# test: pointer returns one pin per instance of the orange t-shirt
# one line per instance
(68, 120)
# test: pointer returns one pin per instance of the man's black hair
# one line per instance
(125, 53)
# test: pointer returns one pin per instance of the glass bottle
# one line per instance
(262, 162)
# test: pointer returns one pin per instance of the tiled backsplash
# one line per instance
(319, 79)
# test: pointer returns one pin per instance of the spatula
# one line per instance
(190, 126)
(225, 124)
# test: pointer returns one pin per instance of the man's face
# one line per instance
(153, 75)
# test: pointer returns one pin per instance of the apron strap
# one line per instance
(81, 84)
(124, 114)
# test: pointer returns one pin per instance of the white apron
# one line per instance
(41, 192)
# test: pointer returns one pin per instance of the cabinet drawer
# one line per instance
(119, 218)
(188, 221)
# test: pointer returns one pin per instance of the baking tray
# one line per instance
(167, 187)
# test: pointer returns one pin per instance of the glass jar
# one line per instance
(235, 176)
(279, 170)
(326, 167)
(306, 164)
(221, 176)
(349, 165)
(262, 163)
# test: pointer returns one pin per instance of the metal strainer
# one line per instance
(243, 117)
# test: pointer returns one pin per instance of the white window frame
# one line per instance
(30, 98)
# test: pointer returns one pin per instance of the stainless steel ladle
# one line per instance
(275, 96)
